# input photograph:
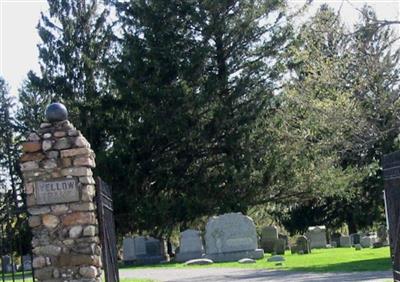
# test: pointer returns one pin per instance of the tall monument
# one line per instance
(57, 170)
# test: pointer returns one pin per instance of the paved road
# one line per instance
(249, 275)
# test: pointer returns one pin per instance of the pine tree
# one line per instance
(191, 80)
(32, 106)
(76, 37)
(10, 181)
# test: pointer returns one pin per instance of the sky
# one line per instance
(19, 39)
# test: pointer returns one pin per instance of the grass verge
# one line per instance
(320, 260)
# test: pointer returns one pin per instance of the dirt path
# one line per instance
(250, 275)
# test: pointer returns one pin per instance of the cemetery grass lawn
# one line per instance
(320, 260)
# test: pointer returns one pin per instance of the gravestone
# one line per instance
(317, 236)
(231, 237)
(345, 241)
(279, 247)
(336, 238)
(143, 250)
(153, 247)
(302, 245)
(366, 241)
(190, 246)
(269, 237)
(27, 262)
(382, 235)
(246, 260)
(275, 258)
(6, 264)
(355, 239)
(57, 171)
(5, 260)
(202, 261)
(358, 247)
(286, 239)
(128, 250)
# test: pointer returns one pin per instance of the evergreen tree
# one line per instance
(191, 79)
(12, 197)
(318, 121)
(32, 106)
(10, 182)
(363, 68)
(76, 37)
(374, 78)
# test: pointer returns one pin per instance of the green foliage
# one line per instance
(375, 79)
(10, 184)
(196, 108)
(185, 115)
(32, 105)
(346, 98)
(76, 37)
(314, 120)
(11, 188)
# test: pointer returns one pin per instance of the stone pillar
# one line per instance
(60, 189)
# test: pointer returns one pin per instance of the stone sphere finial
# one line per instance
(56, 112)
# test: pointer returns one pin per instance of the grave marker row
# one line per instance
(144, 250)
(228, 237)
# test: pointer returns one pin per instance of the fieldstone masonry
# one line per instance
(56, 166)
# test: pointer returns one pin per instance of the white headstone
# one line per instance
(27, 262)
(355, 238)
(190, 246)
(140, 245)
(142, 250)
(317, 236)
(366, 241)
(231, 237)
(269, 237)
(345, 241)
(128, 247)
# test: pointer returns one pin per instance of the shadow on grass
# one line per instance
(377, 264)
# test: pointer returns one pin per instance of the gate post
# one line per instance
(60, 189)
(108, 237)
(391, 175)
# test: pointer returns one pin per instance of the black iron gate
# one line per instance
(15, 242)
(391, 174)
(107, 231)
